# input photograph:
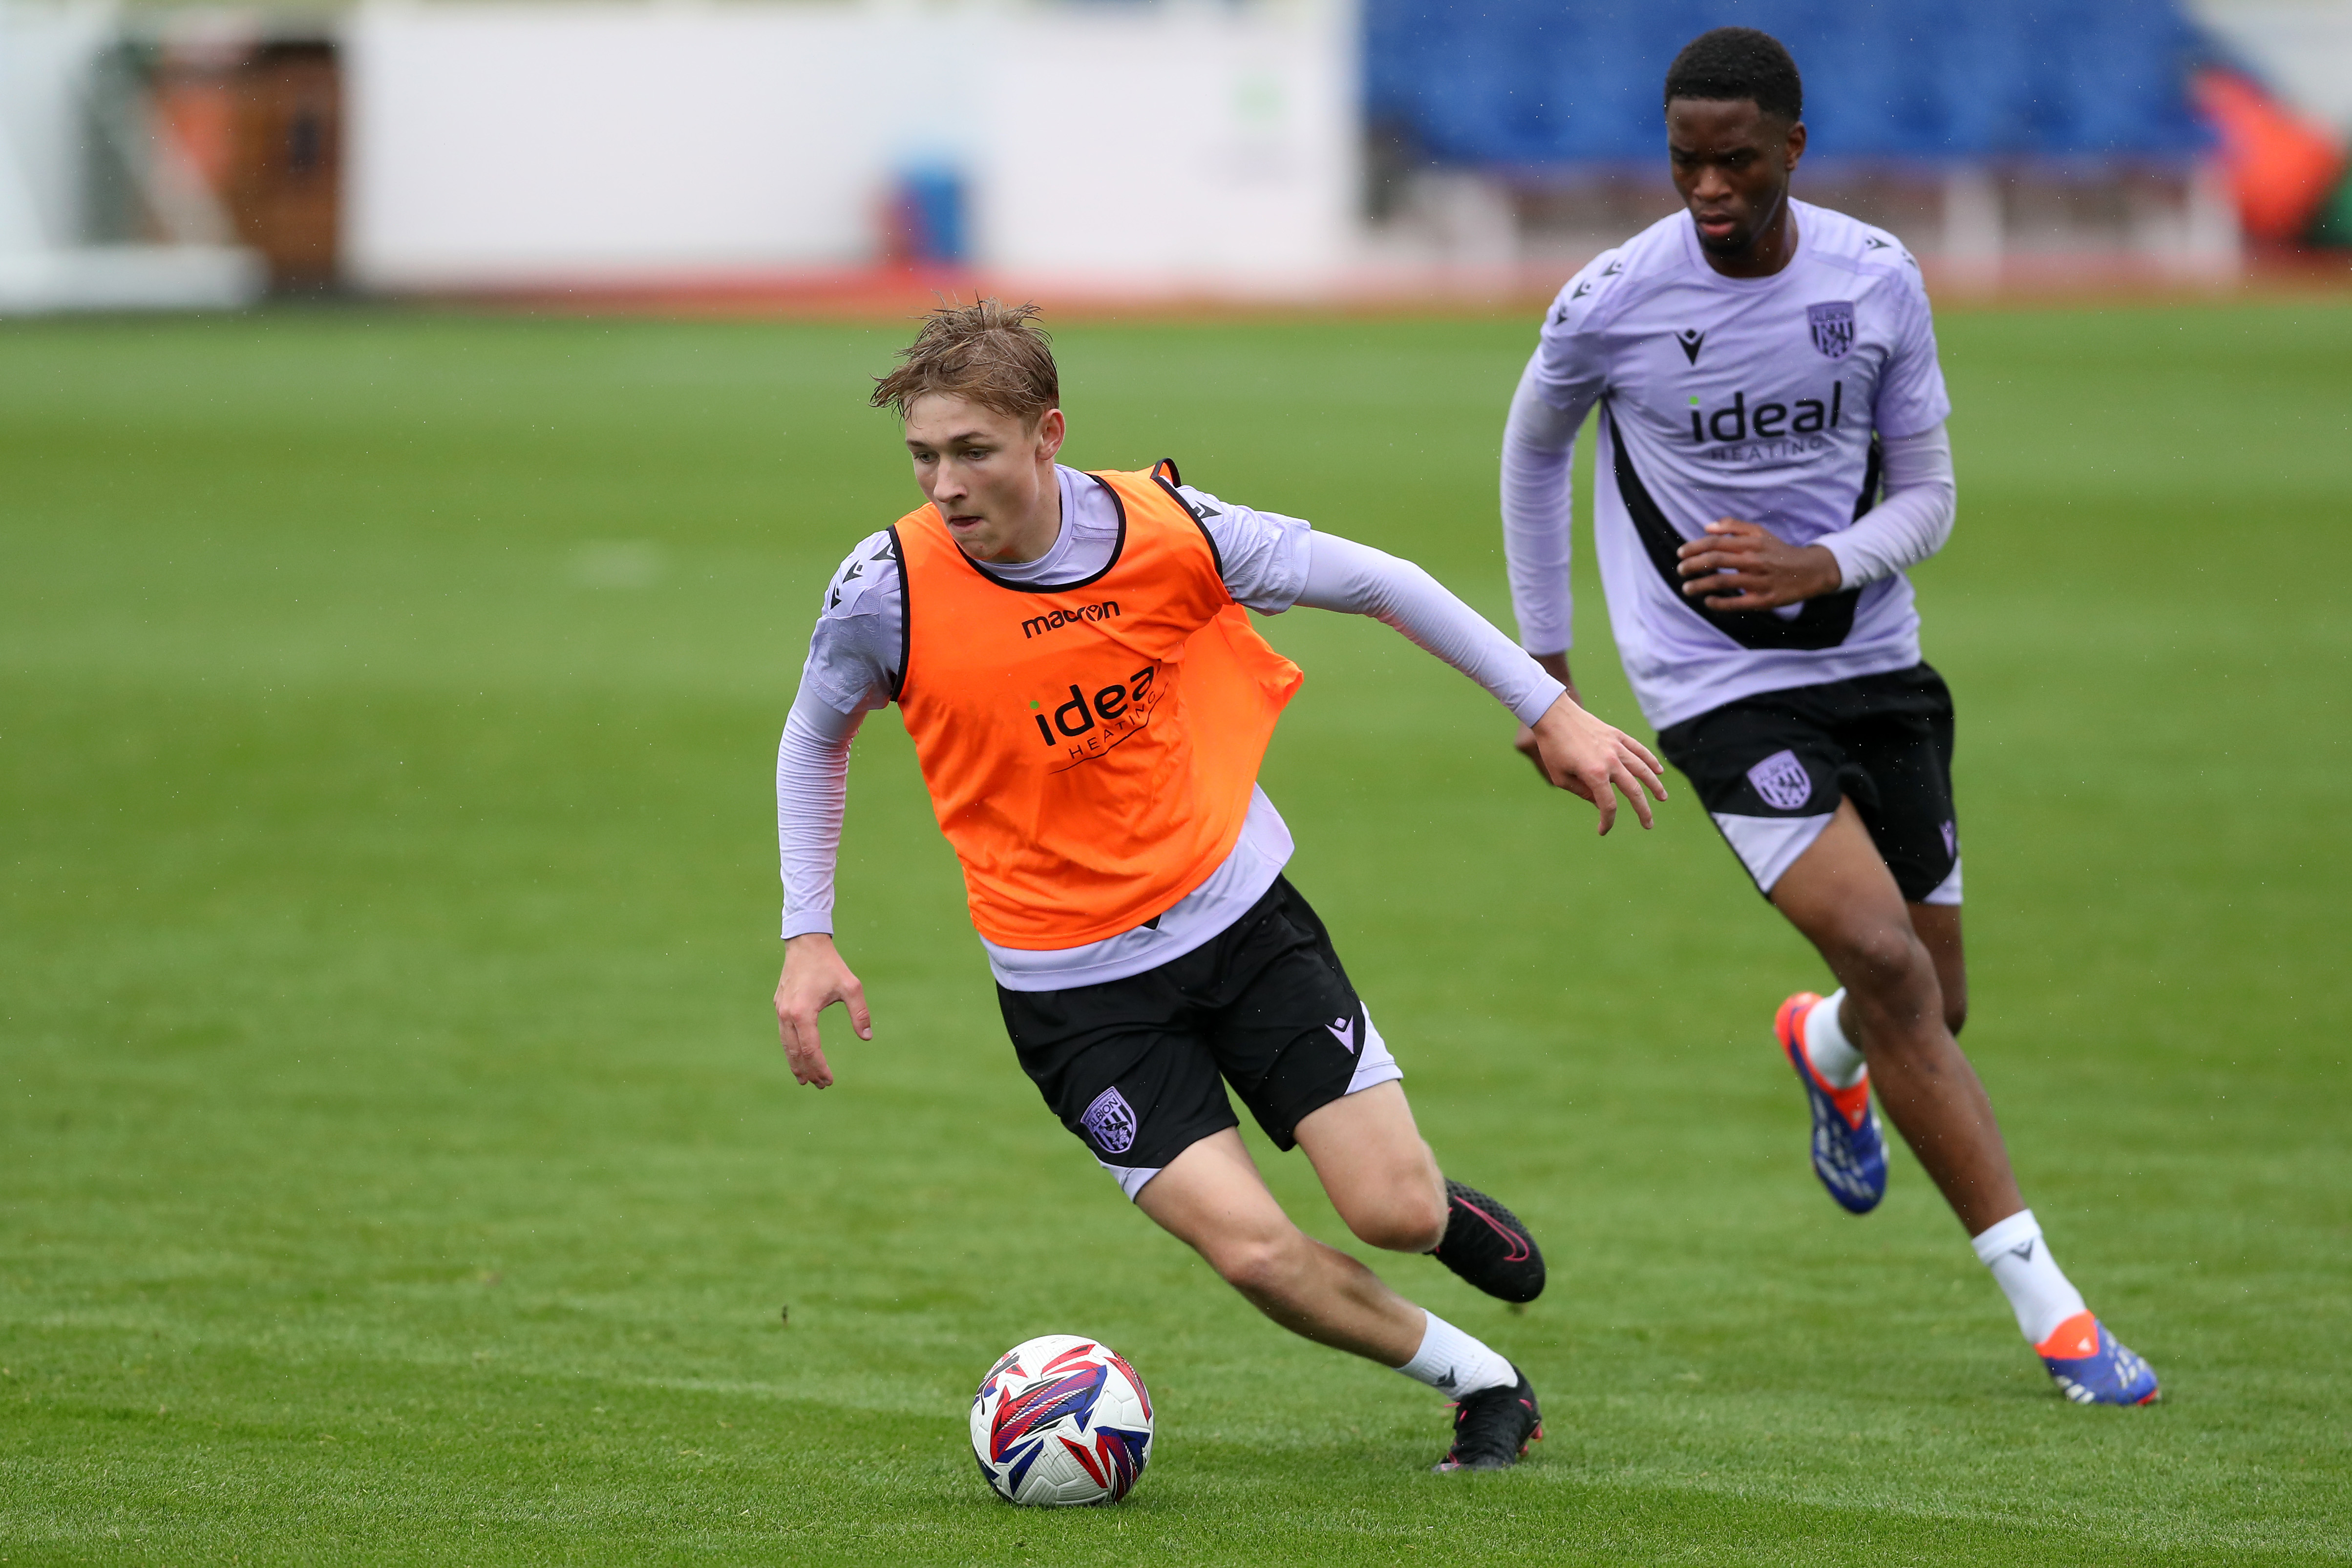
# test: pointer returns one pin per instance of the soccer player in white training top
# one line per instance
(1772, 457)
(1088, 703)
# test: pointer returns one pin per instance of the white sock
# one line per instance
(1833, 1056)
(2037, 1289)
(1452, 1362)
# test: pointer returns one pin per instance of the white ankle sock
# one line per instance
(2037, 1289)
(1452, 1362)
(1833, 1056)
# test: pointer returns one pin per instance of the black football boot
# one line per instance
(1486, 1245)
(1493, 1427)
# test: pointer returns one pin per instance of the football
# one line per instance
(1060, 1420)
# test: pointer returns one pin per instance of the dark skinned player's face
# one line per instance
(1732, 163)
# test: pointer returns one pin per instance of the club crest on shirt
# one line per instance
(1782, 780)
(1110, 1123)
(1832, 325)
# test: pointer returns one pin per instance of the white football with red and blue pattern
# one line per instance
(1060, 1420)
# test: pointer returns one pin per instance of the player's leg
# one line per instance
(1212, 1199)
(1129, 1067)
(1772, 775)
(1380, 1175)
(1298, 1045)
(1848, 1152)
(1901, 746)
(1841, 895)
(1126, 1067)
(1893, 1011)
(1838, 800)
(1938, 926)
(1296, 1042)
(1384, 1181)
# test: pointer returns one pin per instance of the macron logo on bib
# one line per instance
(1106, 610)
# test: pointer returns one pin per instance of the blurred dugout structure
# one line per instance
(258, 117)
(148, 161)
(838, 151)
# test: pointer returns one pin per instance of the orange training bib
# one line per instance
(1089, 750)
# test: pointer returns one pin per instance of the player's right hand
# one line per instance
(814, 978)
(1576, 752)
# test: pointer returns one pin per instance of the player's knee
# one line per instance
(1880, 960)
(1409, 1220)
(1259, 1267)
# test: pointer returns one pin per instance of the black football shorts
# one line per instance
(1137, 1068)
(1772, 769)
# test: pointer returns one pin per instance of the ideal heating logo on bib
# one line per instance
(1742, 433)
(1090, 722)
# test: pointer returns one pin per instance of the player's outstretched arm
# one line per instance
(1577, 752)
(815, 977)
(1571, 749)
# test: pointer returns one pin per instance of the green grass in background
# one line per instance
(396, 1162)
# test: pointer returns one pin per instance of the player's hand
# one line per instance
(814, 978)
(1745, 566)
(1576, 752)
(1556, 667)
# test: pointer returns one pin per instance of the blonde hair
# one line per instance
(989, 353)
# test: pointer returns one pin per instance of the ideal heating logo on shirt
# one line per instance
(1056, 620)
(1741, 431)
(1090, 722)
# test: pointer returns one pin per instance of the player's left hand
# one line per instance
(1585, 757)
(1745, 566)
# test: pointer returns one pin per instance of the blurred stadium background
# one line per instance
(801, 155)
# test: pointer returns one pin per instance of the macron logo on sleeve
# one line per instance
(854, 572)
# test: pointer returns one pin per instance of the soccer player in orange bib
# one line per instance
(1089, 704)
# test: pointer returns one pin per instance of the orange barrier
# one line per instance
(2282, 168)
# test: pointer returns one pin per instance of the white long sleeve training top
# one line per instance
(1912, 519)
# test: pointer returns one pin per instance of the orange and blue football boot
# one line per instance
(1849, 1155)
(2091, 1366)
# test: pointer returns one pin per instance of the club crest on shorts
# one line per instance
(1110, 1123)
(1782, 780)
(1832, 325)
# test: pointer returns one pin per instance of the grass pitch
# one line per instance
(396, 1162)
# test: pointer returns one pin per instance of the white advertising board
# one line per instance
(1182, 143)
